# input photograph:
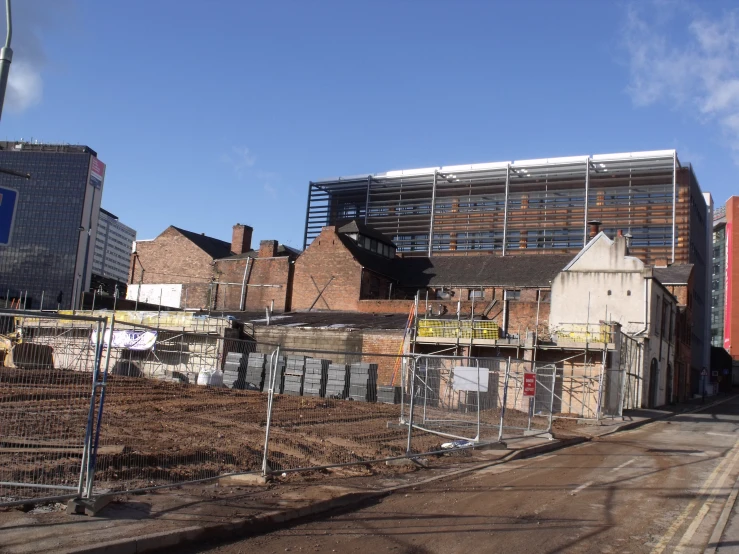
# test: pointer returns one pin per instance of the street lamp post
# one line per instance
(6, 56)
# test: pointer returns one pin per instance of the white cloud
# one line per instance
(25, 86)
(269, 189)
(240, 159)
(689, 60)
(31, 22)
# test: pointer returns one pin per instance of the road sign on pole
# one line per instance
(8, 203)
(529, 384)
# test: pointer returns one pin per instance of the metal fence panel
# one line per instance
(333, 408)
(455, 398)
(523, 414)
(190, 408)
(47, 403)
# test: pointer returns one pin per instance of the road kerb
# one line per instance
(715, 541)
(264, 523)
(634, 424)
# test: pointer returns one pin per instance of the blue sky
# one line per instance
(213, 113)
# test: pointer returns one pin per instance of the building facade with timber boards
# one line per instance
(520, 207)
(535, 207)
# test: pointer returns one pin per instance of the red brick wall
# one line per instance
(385, 306)
(327, 257)
(172, 258)
(269, 271)
(383, 342)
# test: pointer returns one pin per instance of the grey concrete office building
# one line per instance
(48, 250)
(113, 246)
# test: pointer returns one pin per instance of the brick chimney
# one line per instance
(594, 228)
(267, 248)
(241, 238)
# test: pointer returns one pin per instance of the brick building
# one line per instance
(354, 268)
(678, 280)
(183, 269)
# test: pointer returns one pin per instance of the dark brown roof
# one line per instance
(355, 226)
(482, 270)
(676, 274)
(371, 260)
(282, 250)
(326, 319)
(461, 271)
(215, 248)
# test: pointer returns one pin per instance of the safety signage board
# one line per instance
(8, 203)
(529, 384)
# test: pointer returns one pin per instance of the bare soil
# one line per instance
(156, 432)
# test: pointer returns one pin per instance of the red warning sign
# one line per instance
(529, 384)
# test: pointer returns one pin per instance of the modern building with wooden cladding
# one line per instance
(526, 206)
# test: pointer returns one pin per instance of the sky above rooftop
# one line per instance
(213, 113)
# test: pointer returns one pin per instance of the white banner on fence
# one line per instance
(466, 378)
(164, 295)
(131, 340)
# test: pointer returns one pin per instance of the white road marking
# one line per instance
(581, 487)
(667, 537)
(706, 506)
(623, 465)
(722, 435)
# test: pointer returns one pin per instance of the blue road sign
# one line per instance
(8, 203)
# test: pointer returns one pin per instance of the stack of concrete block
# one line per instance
(363, 382)
(234, 371)
(279, 374)
(316, 372)
(255, 371)
(388, 395)
(294, 373)
(336, 381)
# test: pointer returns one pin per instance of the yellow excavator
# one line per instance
(16, 353)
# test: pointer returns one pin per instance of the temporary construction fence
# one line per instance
(49, 406)
(474, 399)
(97, 409)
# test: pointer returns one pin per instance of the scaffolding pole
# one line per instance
(587, 191)
(431, 221)
(505, 206)
(674, 202)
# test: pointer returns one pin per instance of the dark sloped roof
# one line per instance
(370, 260)
(482, 270)
(475, 270)
(676, 274)
(282, 250)
(355, 226)
(215, 248)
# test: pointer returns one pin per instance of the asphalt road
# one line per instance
(659, 488)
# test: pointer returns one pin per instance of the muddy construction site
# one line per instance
(156, 432)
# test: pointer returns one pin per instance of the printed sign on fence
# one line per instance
(529, 384)
(467, 378)
(131, 340)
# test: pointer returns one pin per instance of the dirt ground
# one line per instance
(157, 432)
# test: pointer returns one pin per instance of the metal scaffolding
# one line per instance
(517, 207)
